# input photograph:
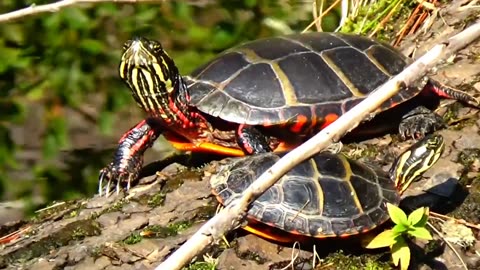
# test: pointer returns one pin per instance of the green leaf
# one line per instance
(199, 34)
(92, 46)
(76, 18)
(105, 122)
(384, 239)
(416, 216)
(49, 146)
(424, 219)
(401, 254)
(420, 232)
(12, 111)
(396, 214)
(400, 228)
(250, 3)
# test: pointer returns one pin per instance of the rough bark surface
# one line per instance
(139, 229)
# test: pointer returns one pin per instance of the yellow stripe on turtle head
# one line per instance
(148, 70)
(420, 157)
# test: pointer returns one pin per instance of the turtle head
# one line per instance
(421, 156)
(150, 74)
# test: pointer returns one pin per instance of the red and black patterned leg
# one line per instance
(252, 141)
(128, 158)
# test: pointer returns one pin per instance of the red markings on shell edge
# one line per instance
(300, 122)
(329, 118)
(267, 122)
(270, 231)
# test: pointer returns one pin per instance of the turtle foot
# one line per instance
(115, 176)
(419, 122)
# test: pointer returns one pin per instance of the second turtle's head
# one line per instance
(417, 159)
(149, 72)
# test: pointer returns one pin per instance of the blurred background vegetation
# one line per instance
(63, 106)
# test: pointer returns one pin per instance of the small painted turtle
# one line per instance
(325, 196)
(269, 94)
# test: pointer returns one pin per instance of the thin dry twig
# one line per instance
(54, 7)
(385, 19)
(315, 15)
(321, 16)
(294, 256)
(233, 213)
(459, 221)
(448, 244)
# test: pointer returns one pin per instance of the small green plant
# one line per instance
(413, 226)
(208, 263)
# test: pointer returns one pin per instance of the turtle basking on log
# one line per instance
(266, 95)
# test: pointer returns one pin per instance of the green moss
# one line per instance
(79, 234)
(171, 184)
(370, 16)
(251, 256)
(300, 263)
(133, 239)
(452, 118)
(201, 266)
(156, 200)
(451, 114)
(173, 229)
(470, 209)
(361, 151)
(183, 175)
(340, 261)
(206, 212)
(152, 201)
(475, 185)
(433, 248)
(180, 226)
(56, 208)
(72, 232)
(117, 206)
(463, 124)
(467, 157)
(96, 252)
(72, 214)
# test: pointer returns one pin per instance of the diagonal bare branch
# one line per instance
(56, 6)
(230, 216)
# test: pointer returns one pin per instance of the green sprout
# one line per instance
(413, 225)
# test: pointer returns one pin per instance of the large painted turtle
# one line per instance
(269, 94)
(327, 195)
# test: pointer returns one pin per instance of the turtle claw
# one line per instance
(106, 175)
(419, 122)
(115, 179)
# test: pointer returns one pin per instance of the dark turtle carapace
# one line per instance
(265, 95)
(327, 195)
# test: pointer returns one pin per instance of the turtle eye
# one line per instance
(127, 44)
(155, 46)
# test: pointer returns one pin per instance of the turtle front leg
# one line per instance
(251, 140)
(128, 158)
(419, 122)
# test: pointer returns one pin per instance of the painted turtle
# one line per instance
(325, 196)
(269, 94)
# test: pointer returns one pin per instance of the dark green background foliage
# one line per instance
(59, 77)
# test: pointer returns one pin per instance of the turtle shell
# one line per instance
(325, 196)
(315, 75)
